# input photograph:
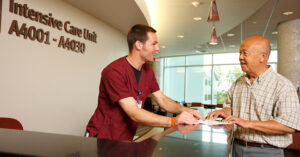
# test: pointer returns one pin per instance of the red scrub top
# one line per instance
(118, 81)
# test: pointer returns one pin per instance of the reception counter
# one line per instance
(182, 141)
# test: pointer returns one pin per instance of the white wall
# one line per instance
(47, 88)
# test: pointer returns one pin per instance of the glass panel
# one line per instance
(199, 60)
(198, 78)
(198, 84)
(161, 73)
(224, 76)
(227, 58)
(174, 83)
(273, 56)
(175, 61)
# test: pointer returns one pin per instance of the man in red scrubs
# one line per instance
(125, 84)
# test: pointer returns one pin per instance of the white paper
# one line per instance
(213, 122)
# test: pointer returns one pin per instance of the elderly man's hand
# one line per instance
(224, 113)
(240, 122)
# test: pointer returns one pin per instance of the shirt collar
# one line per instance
(262, 76)
(265, 74)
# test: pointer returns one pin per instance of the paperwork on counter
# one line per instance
(213, 122)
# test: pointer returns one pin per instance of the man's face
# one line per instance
(150, 47)
(249, 57)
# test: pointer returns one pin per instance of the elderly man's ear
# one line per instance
(264, 57)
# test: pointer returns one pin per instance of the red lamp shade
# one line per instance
(213, 38)
(213, 12)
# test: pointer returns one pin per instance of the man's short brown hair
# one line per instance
(138, 33)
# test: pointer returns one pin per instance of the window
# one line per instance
(225, 75)
(202, 78)
(199, 60)
(174, 83)
(197, 83)
(175, 61)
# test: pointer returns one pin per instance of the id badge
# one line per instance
(139, 103)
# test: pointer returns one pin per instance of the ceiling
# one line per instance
(243, 18)
(120, 14)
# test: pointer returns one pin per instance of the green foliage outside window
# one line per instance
(224, 81)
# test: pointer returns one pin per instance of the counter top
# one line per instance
(183, 140)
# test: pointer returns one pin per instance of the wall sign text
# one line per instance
(41, 36)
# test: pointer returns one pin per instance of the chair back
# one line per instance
(219, 106)
(197, 104)
(10, 123)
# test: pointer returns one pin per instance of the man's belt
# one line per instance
(253, 144)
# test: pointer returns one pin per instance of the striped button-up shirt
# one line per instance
(269, 97)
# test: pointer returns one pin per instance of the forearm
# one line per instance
(171, 106)
(151, 119)
(129, 105)
(270, 127)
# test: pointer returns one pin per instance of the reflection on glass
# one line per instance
(145, 148)
(201, 142)
(114, 148)
(175, 61)
(217, 130)
(194, 137)
(198, 84)
(206, 128)
(206, 136)
(176, 134)
(174, 83)
(199, 60)
(219, 138)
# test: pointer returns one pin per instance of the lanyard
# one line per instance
(138, 94)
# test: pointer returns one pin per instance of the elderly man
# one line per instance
(262, 103)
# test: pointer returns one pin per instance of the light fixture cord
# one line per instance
(267, 25)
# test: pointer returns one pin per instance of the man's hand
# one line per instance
(186, 118)
(241, 122)
(195, 113)
(171, 106)
(224, 113)
(186, 129)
